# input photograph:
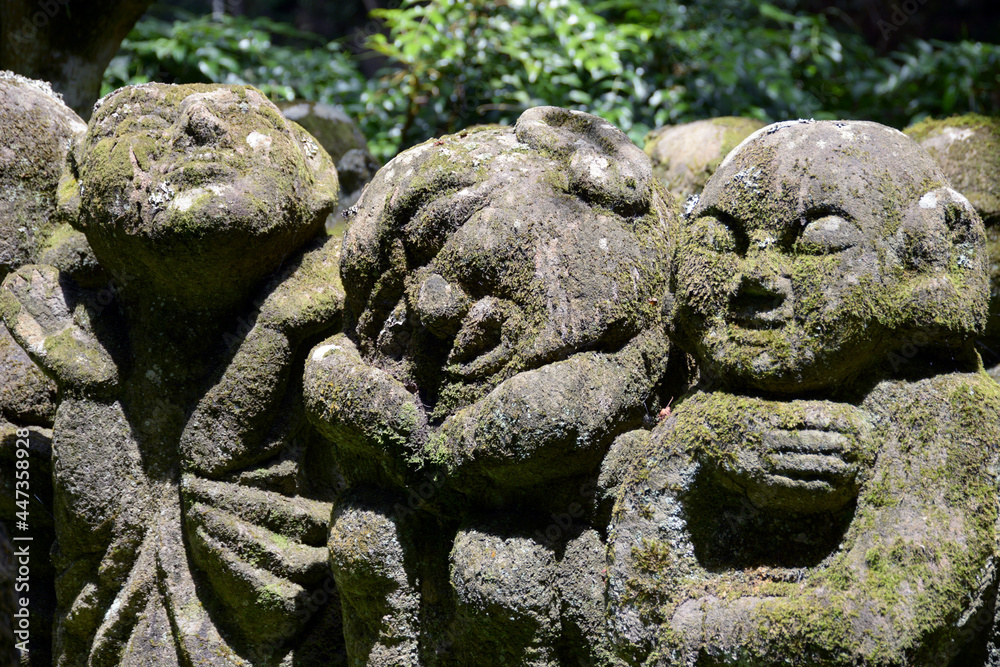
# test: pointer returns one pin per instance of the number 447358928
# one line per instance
(22, 484)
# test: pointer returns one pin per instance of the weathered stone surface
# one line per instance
(827, 494)
(503, 294)
(38, 130)
(38, 584)
(858, 254)
(172, 550)
(368, 556)
(685, 156)
(48, 316)
(333, 128)
(444, 459)
(27, 395)
(35, 568)
(356, 169)
(968, 150)
(504, 573)
(344, 141)
(198, 171)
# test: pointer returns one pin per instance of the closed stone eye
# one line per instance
(827, 234)
(719, 232)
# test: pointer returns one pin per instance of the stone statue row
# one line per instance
(527, 411)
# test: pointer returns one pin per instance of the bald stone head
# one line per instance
(818, 247)
(197, 192)
(37, 130)
(968, 150)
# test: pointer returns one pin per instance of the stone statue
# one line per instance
(37, 130)
(967, 148)
(685, 156)
(827, 494)
(502, 326)
(189, 530)
(454, 439)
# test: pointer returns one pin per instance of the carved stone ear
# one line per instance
(68, 191)
(941, 223)
(325, 184)
(605, 167)
(944, 254)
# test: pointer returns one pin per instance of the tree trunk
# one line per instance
(68, 43)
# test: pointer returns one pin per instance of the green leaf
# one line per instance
(771, 12)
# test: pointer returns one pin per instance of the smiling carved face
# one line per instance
(814, 247)
(198, 191)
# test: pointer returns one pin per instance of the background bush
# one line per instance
(640, 65)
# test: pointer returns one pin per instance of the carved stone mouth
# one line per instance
(758, 312)
(758, 307)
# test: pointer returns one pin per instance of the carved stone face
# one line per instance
(968, 150)
(816, 248)
(494, 264)
(481, 262)
(197, 190)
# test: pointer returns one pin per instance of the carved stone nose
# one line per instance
(203, 126)
(763, 302)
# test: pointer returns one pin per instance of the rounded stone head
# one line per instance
(685, 156)
(968, 150)
(37, 131)
(502, 249)
(502, 302)
(819, 247)
(197, 192)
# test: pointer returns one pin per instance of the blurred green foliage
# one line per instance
(638, 64)
(283, 62)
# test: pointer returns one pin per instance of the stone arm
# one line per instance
(238, 422)
(908, 584)
(257, 536)
(551, 422)
(542, 424)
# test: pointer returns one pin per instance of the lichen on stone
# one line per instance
(503, 293)
(685, 156)
(189, 530)
(825, 494)
(968, 150)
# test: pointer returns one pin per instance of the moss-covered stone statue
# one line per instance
(685, 156)
(827, 495)
(503, 297)
(188, 530)
(968, 150)
(37, 130)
